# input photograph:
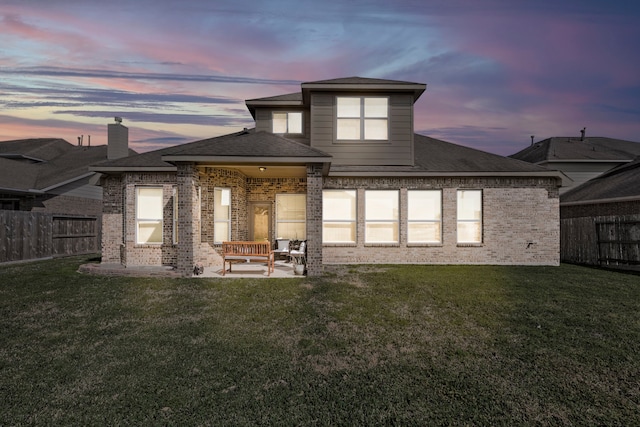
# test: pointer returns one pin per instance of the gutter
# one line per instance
(549, 174)
(120, 169)
(20, 191)
(60, 184)
(601, 201)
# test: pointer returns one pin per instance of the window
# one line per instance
(148, 215)
(362, 118)
(291, 216)
(339, 216)
(381, 216)
(287, 122)
(469, 216)
(424, 216)
(221, 215)
(175, 215)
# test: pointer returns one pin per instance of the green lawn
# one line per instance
(364, 345)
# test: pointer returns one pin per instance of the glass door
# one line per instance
(260, 222)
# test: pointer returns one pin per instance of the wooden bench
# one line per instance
(247, 252)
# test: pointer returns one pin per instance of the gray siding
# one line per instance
(397, 151)
(264, 123)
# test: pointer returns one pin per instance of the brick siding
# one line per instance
(520, 223)
(520, 219)
(600, 209)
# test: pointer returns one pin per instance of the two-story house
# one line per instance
(337, 164)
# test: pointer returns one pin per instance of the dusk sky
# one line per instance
(496, 71)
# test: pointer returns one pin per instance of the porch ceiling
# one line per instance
(270, 171)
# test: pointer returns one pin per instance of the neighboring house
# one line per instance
(580, 158)
(601, 219)
(51, 175)
(338, 165)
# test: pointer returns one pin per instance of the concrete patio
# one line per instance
(255, 270)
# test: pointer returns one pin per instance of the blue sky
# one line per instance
(497, 72)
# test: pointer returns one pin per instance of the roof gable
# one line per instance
(363, 84)
(247, 144)
(620, 182)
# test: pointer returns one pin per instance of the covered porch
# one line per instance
(248, 198)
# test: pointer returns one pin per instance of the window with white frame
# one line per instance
(424, 216)
(221, 215)
(469, 216)
(339, 216)
(175, 215)
(362, 118)
(149, 215)
(291, 216)
(287, 122)
(381, 216)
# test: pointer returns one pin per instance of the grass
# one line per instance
(363, 345)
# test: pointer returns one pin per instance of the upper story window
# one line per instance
(362, 118)
(287, 122)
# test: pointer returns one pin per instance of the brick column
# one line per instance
(112, 230)
(314, 219)
(188, 218)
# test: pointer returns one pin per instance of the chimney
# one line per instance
(532, 136)
(583, 131)
(117, 140)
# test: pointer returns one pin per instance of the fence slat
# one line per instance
(605, 240)
(33, 235)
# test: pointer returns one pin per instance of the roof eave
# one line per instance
(252, 104)
(121, 169)
(416, 88)
(20, 191)
(601, 201)
(246, 159)
(545, 174)
(68, 181)
(586, 161)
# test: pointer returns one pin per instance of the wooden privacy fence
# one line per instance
(607, 241)
(34, 235)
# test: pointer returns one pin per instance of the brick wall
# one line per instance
(631, 207)
(148, 254)
(265, 190)
(520, 223)
(520, 219)
(112, 219)
(314, 220)
(237, 182)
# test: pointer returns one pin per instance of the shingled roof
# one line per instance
(567, 148)
(247, 145)
(355, 80)
(622, 182)
(36, 165)
(434, 157)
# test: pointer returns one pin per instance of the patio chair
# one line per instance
(299, 255)
(282, 247)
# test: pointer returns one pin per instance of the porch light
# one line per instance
(262, 168)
